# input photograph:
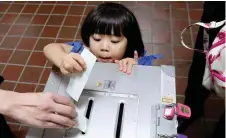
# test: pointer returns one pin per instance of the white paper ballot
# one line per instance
(77, 83)
(81, 121)
(78, 80)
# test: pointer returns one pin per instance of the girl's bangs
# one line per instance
(107, 26)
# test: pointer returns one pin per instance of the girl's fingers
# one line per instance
(124, 65)
(77, 67)
(135, 55)
(116, 61)
(64, 71)
(78, 58)
(120, 65)
(129, 67)
(68, 67)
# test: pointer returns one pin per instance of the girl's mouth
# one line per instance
(105, 59)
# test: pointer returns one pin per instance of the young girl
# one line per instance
(111, 32)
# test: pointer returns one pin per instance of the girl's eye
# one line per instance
(96, 39)
(115, 42)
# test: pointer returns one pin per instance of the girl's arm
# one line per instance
(66, 56)
(55, 52)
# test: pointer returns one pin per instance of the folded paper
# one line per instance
(78, 80)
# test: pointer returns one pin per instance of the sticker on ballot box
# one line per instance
(167, 100)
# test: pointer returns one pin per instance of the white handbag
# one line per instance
(215, 71)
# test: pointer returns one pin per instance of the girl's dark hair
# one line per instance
(114, 19)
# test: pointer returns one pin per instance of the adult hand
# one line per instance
(46, 110)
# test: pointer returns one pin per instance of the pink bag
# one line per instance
(215, 70)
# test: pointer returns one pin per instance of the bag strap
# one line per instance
(210, 25)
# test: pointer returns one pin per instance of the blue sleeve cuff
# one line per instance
(147, 60)
(77, 47)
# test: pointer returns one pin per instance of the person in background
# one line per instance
(196, 94)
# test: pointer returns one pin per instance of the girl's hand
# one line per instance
(72, 63)
(45, 110)
(126, 64)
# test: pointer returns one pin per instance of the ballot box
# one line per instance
(118, 105)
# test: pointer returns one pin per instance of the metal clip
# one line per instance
(167, 136)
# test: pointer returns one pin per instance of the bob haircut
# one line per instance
(114, 19)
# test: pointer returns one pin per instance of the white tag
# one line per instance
(78, 80)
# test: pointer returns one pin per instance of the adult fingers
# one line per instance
(61, 120)
(65, 110)
(62, 100)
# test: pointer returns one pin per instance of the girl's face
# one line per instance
(107, 48)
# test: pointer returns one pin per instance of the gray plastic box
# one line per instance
(142, 93)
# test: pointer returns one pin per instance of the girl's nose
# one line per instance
(104, 50)
(104, 47)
